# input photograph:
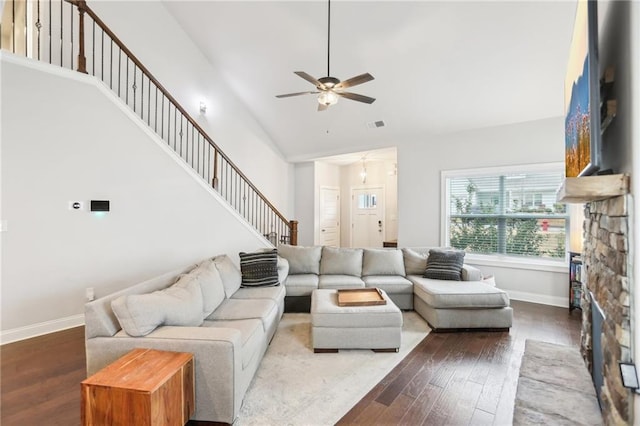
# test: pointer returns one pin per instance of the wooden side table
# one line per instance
(146, 387)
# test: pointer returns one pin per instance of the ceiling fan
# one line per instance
(329, 89)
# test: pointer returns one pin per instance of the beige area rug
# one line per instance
(294, 386)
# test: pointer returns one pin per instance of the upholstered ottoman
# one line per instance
(334, 327)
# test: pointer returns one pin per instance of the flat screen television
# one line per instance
(583, 142)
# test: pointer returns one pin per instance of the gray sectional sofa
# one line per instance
(466, 304)
(199, 309)
(203, 309)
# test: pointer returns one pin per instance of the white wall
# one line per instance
(304, 196)
(154, 36)
(420, 163)
(85, 145)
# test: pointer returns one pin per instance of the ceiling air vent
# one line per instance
(375, 124)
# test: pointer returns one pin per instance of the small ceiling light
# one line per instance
(363, 173)
(203, 108)
(328, 98)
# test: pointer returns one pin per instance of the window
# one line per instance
(506, 211)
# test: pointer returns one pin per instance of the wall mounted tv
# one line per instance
(583, 142)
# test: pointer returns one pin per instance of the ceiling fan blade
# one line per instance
(295, 94)
(310, 79)
(356, 97)
(322, 107)
(354, 81)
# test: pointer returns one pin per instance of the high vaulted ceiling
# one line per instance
(439, 66)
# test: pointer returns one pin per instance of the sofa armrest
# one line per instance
(217, 358)
(471, 273)
(283, 269)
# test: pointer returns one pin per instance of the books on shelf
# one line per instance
(575, 271)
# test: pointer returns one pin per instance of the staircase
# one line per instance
(69, 34)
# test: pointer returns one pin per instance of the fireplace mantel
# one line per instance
(585, 189)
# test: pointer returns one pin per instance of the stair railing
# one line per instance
(51, 31)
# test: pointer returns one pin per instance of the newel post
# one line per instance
(82, 60)
(293, 227)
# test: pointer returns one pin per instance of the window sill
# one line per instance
(514, 263)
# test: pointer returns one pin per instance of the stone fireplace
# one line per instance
(606, 257)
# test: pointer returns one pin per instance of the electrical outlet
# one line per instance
(89, 294)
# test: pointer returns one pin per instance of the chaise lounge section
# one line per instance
(467, 302)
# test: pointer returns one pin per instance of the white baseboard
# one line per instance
(33, 330)
(542, 299)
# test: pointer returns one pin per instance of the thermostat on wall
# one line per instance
(99, 205)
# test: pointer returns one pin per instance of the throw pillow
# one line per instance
(179, 305)
(445, 265)
(302, 260)
(341, 261)
(382, 262)
(207, 276)
(259, 268)
(415, 263)
(231, 277)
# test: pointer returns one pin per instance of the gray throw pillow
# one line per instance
(382, 262)
(341, 261)
(259, 269)
(445, 265)
(207, 276)
(179, 305)
(231, 276)
(302, 260)
(415, 263)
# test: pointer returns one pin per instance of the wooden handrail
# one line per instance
(84, 8)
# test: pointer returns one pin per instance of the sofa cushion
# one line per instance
(464, 294)
(276, 293)
(392, 284)
(444, 265)
(301, 284)
(341, 261)
(382, 262)
(252, 333)
(259, 268)
(340, 281)
(230, 274)
(208, 277)
(236, 309)
(415, 263)
(302, 260)
(179, 305)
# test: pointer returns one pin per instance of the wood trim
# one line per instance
(592, 188)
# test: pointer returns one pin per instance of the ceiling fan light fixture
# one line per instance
(327, 98)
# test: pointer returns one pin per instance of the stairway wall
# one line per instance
(65, 137)
(154, 36)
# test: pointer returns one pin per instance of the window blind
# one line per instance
(512, 214)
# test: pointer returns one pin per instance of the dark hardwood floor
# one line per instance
(449, 378)
(467, 378)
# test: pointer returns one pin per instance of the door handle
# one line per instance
(323, 230)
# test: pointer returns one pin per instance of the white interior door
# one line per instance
(367, 217)
(330, 216)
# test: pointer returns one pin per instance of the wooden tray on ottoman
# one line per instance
(360, 297)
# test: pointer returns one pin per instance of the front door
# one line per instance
(367, 217)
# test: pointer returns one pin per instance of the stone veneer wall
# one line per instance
(606, 257)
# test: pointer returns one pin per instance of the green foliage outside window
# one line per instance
(484, 228)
